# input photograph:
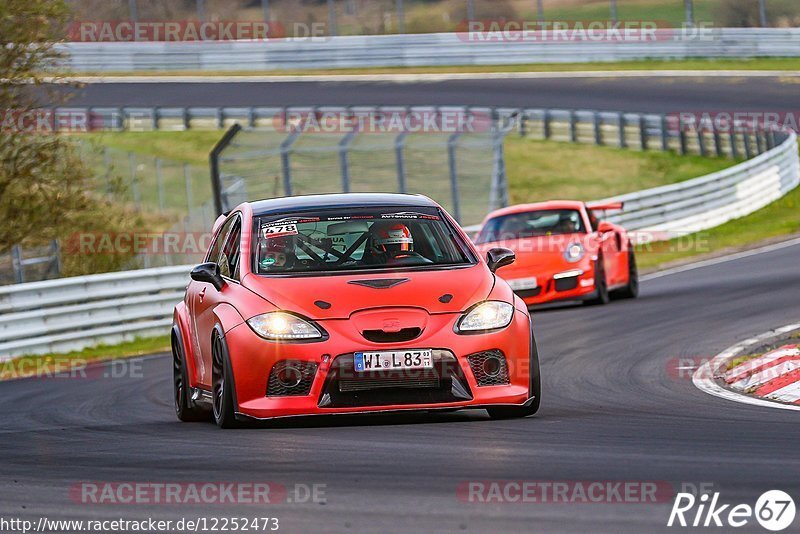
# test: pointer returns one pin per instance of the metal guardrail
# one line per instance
(705, 202)
(72, 313)
(417, 50)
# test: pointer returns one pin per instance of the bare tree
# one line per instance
(46, 192)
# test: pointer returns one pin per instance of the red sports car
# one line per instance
(334, 304)
(564, 252)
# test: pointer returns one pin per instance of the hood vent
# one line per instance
(380, 283)
(380, 336)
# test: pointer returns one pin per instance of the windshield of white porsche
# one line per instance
(531, 224)
(357, 239)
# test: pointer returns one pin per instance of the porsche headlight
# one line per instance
(574, 252)
(488, 315)
(282, 326)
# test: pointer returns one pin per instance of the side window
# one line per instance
(229, 256)
(216, 246)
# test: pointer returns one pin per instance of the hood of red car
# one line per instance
(339, 296)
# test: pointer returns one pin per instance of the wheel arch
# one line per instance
(180, 334)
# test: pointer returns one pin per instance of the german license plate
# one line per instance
(520, 284)
(394, 359)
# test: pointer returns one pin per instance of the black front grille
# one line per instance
(388, 382)
(291, 378)
(565, 284)
(490, 368)
(379, 336)
(344, 387)
(526, 293)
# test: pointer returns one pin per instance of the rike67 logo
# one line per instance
(774, 510)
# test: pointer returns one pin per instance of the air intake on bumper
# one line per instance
(489, 367)
(290, 378)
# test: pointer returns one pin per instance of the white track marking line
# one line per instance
(432, 77)
(704, 380)
(722, 259)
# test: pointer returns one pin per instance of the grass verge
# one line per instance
(545, 170)
(709, 64)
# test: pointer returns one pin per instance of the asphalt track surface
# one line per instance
(615, 408)
(656, 95)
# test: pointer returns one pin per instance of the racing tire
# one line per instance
(630, 291)
(185, 408)
(223, 405)
(535, 392)
(602, 296)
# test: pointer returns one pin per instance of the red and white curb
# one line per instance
(772, 379)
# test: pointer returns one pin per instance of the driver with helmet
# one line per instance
(392, 241)
(277, 254)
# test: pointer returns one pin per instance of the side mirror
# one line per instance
(208, 273)
(605, 227)
(499, 257)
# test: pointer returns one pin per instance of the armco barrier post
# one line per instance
(748, 146)
(643, 132)
(718, 143)
(573, 126)
(16, 264)
(546, 124)
(734, 145)
(598, 132)
(701, 141)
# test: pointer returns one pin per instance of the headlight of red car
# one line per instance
(574, 252)
(283, 326)
(487, 315)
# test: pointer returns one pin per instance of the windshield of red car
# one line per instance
(531, 224)
(356, 239)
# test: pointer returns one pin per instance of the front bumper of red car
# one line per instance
(334, 387)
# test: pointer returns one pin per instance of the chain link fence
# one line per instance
(30, 264)
(454, 155)
(176, 196)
